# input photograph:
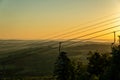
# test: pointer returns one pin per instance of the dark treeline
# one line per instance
(100, 66)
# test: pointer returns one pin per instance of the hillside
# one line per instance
(29, 58)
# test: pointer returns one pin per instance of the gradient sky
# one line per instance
(34, 19)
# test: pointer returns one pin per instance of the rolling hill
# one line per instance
(25, 57)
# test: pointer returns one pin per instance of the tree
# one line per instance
(63, 68)
(94, 64)
(114, 69)
(80, 71)
(97, 65)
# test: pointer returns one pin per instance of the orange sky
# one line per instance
(39, 19)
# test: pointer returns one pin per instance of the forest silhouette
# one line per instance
(100, 66)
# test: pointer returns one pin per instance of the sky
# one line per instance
(39, 19)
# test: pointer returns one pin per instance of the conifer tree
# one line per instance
(114, 72)
(63, 68)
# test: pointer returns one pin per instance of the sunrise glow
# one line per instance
(40, 19)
